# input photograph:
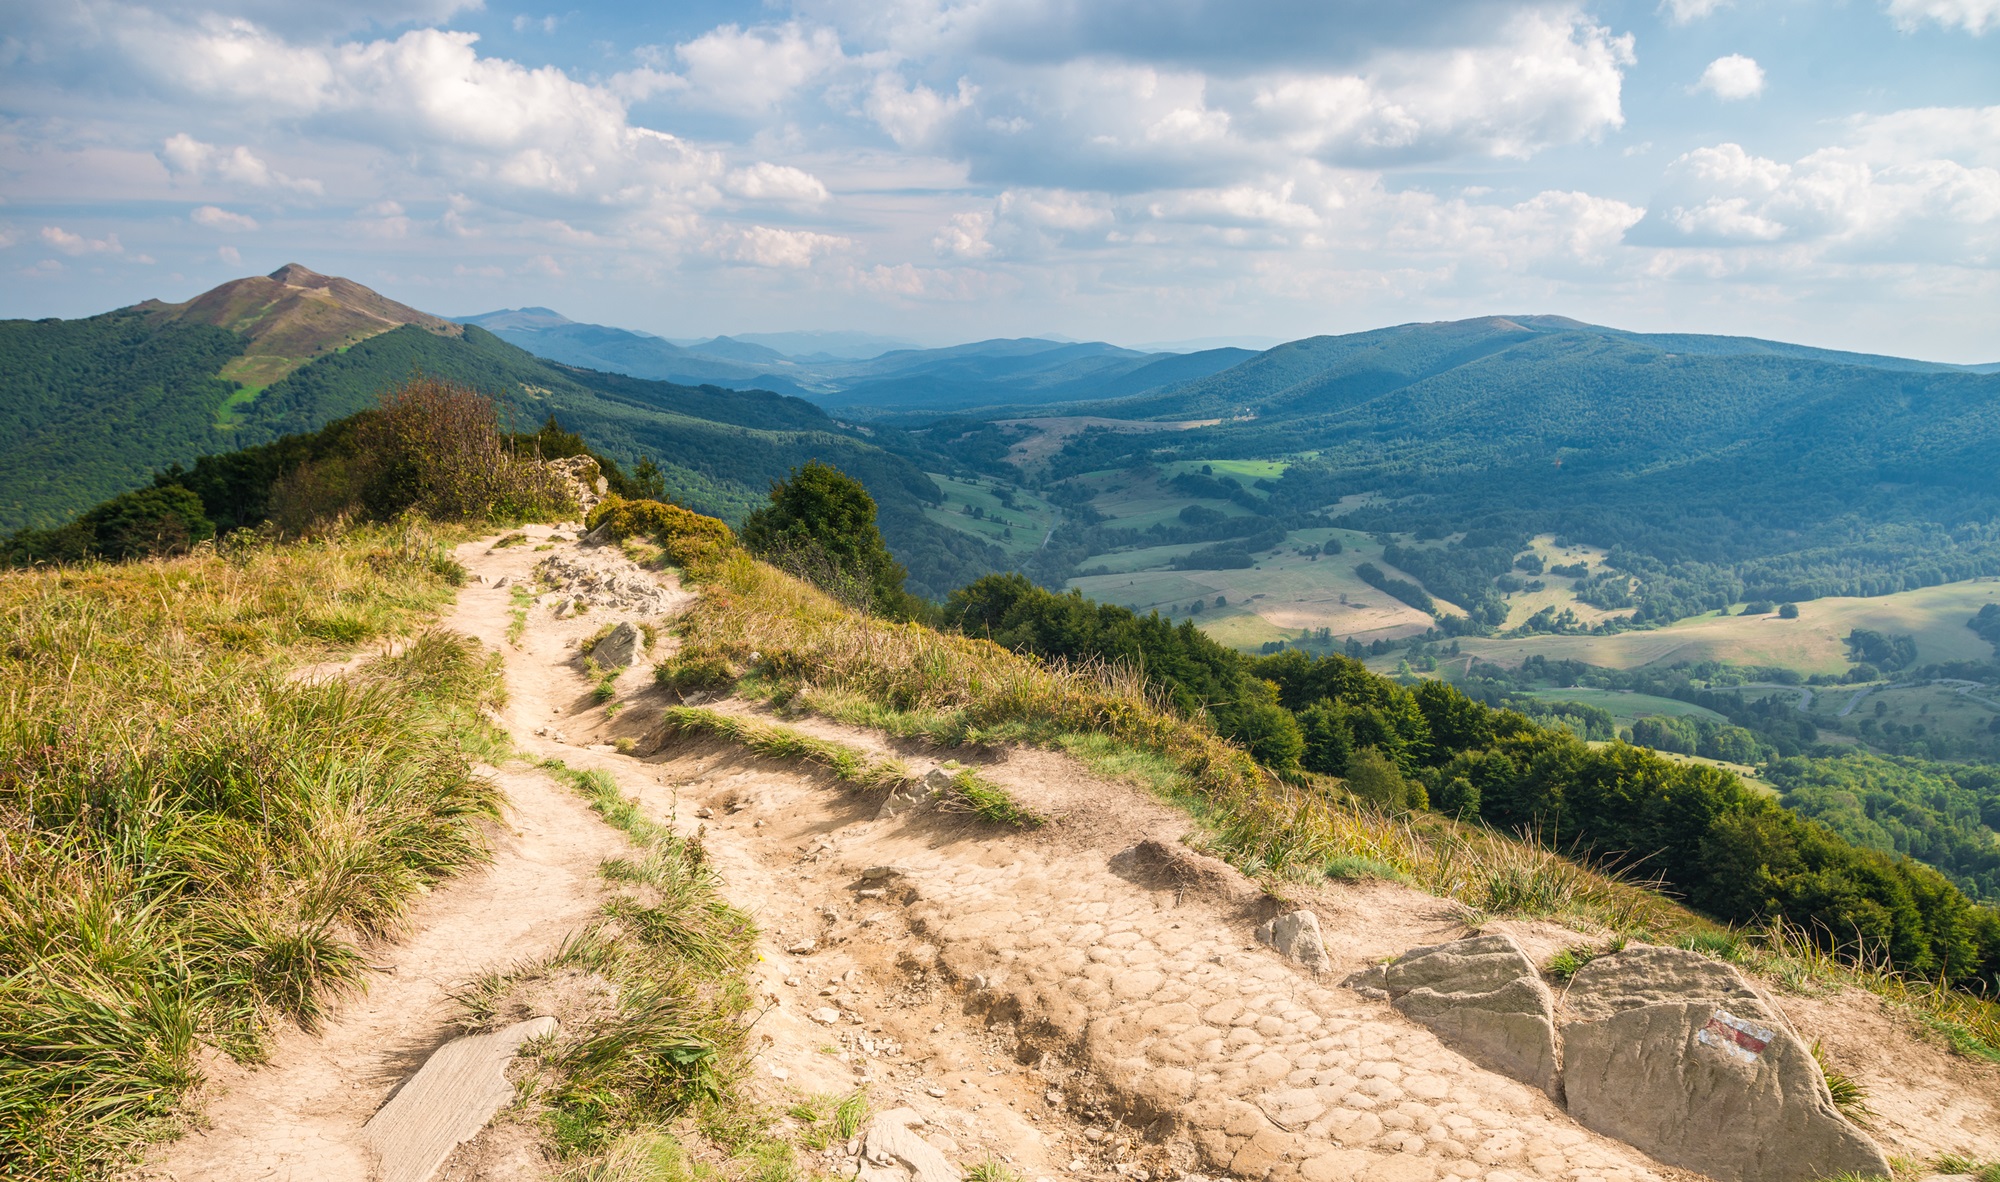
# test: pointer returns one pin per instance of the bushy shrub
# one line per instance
(691, 540)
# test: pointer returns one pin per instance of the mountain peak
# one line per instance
(300, 275)
(293, 315)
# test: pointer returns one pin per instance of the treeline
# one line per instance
(430, 446)
(1729, 851)
(1941, 815)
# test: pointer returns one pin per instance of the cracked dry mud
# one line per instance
(1083, 1000)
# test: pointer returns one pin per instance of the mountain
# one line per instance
(1713, 468)
(616, 350)
(290, 316)
(982, 375)
(825, 346)
(91, 408)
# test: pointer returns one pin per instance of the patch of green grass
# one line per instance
(782, 742)
(989, 801)
(1564, 965)
(517, 617)
(991, 1169)
(513, 539)
(675, 1045)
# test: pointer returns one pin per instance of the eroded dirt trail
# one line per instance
(1081, 1000)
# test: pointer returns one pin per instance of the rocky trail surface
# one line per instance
(1088, 999)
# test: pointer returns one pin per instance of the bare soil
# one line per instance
(1081, 999)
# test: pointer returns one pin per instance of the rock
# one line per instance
(1510, 1030)
(622, 648)
(566, 607)
(448, 1100)
(892, 1151)
(881, 873)
(1644, 975)
(907, 797)
(826, 1015)
(1484, 998)
(1296, 937)
(803, 948)
(1681, 1057)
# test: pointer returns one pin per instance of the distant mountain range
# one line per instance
(1724, 462)
(985, 375)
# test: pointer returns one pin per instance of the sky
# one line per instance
(1136, 171)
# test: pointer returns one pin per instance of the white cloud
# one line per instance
(221, 219)
(188, 157)
(964, 237)
(755, 69)
(1974, 16)
(547, 24)
(230, 255)
(1849, 201)
(1732, 78)
(914, 115)
(765, 181)
(1683, 12)
(69, 243)
(767, 246)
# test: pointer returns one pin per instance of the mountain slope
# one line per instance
(92, 407)
(1714, 468)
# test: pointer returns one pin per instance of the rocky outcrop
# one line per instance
(585, 481)
(1297, 938)
(1483, 997)
(1680, 1056)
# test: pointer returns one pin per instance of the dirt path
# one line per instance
(1085, 999)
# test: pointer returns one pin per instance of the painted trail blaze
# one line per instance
(1738, 1037)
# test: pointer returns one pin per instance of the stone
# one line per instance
(1483, 998)
(803, 947)
(622, 648)
(893, 1151)
(912, 795)
(447, 1102)
(1681, 1057)
(1510, 1030)
(826, 1015)
(1296, 937)
(1644, 975)
(566, 607)
(881, 873)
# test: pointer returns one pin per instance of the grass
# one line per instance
(966, 790)
(194, 841)
(1848, 1094)
(793, 646)
(517, 617)
(627, 1085)
(1564, 964)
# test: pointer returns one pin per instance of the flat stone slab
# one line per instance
(893, 1151)
(447, 1102)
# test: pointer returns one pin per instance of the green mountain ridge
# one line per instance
(95, 406)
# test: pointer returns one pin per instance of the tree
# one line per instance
(820, 526)
(1788, 611)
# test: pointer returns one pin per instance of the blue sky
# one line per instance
(940, 170)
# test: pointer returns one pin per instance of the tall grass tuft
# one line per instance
(192, 838)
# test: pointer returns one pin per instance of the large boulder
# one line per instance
(1484, 998)
(1679, 1056)
(893, 1151)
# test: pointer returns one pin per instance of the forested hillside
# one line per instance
(94, 407)
(1713, 469)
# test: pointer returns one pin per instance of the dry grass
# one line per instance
(192, 839)
(801, 649)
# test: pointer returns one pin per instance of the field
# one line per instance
(1016, 530)
(1935, 616)
(1281, 597)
